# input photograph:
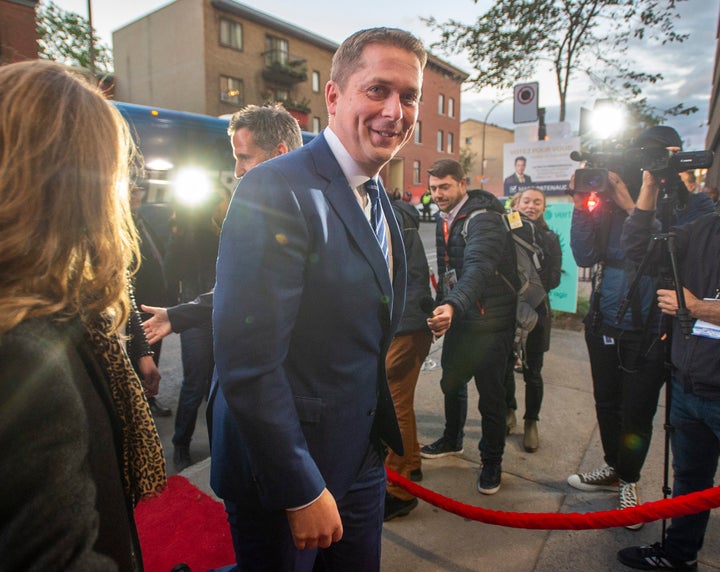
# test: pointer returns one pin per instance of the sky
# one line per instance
(687, 67)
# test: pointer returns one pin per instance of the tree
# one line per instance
(506, 44)
(65, 37)
(467, 158)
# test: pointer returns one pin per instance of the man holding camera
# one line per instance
(695, 390)
(626, 351)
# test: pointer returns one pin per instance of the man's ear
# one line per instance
(281, 148)
(332, 92)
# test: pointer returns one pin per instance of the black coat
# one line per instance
(62, 505)
(696, 359)
(414, 319)
(482, 298)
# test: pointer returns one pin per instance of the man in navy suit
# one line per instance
(513, 182)
(310, 289)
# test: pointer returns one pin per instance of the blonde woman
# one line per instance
(531, 203)
(78, 444)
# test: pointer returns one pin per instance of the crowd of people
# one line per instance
(305, 311)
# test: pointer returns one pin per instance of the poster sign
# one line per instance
(563, 298)
(544, 165)
(525, 107)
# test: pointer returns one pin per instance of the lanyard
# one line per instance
(446, 237)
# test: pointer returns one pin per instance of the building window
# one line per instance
(231, 34)
(316, 125)
(316, 81)
(231, 90)
(440, 141)
(276, 51)
(451, 107)
(416, 172)
(441, 104)
(450, 142)
(418, 133)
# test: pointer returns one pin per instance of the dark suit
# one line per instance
(304, 312)
(512, 182)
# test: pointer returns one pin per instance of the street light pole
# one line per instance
(91, 50)
(482, 164)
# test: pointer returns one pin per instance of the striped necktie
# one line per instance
(376, 217)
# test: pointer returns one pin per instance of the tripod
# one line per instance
(662, 246)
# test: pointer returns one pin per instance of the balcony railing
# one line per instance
(283, 69)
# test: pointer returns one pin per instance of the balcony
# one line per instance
(300, 110)
(281, 69)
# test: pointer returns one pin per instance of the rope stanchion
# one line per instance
(667, 508)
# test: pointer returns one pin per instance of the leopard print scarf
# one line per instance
(142, 459)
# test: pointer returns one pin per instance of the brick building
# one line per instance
(216, 56)
(18, 35)
(712, 141)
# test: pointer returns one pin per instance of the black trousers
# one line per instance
(627, 378)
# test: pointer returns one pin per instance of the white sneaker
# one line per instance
(628, 499)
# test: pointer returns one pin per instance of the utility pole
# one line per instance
(91, 47)
(482, 164)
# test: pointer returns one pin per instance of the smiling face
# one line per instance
(532, 204)
(374, 114)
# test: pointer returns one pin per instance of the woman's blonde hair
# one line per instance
(66, 234)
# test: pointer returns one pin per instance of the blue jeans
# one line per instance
(263, 542)
(484, 356)
(695, 445)
(196, 345)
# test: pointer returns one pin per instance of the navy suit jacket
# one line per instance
(304, 312)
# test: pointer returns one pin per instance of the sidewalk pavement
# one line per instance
(429, 539)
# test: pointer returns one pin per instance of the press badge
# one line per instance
(513, 220)
(449, 280)
(706, 329)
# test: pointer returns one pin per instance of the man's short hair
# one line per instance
(444, 167)
(349, 54)
(520, 158)
(269, 124)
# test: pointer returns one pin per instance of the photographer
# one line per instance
(695, 394)
(626, 358)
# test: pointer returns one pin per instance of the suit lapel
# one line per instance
(343, 201)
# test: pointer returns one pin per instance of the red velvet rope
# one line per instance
(658, 510)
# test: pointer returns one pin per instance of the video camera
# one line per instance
(629, 164)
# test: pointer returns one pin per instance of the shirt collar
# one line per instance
(450, 217)
(352, 171)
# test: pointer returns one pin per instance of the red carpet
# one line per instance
(183, 524)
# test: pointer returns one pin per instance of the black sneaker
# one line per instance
(489, 479)
(440, 448)
(652, 558)
(395, 507)
(181, 458)
(603, 479)
(416, 475)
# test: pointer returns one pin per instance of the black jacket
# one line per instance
(62, 505)
(696, 359)
(482, 298)
(414, 319)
